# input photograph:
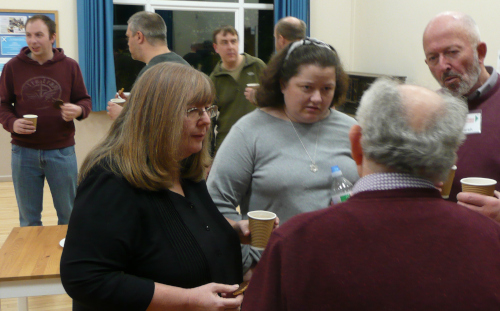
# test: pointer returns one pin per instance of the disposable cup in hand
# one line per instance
(485, 186)
(31, 117)
(261, 225)
(118, 101)
(445, 191)
(253, 85)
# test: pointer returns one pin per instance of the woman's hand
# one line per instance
(242, 228)
(207, 297)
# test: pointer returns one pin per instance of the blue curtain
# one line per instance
(95, 50)
(296, 8)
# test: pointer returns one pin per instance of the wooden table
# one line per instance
(29, 263)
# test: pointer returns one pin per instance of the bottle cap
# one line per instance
(336, 169)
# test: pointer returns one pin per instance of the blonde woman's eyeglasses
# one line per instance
(196, 113)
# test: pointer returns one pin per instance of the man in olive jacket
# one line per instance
(231, 76)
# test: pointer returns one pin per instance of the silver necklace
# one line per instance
(313, 167)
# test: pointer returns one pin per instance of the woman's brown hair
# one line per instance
(284, 65)
(143, 143)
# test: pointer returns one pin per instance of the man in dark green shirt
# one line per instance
(147, 42)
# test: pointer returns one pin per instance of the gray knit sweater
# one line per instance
(262, 165)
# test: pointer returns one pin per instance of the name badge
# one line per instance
(473, 123)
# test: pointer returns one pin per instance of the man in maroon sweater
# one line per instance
(42, 81)
(455, 55)
(395, 244)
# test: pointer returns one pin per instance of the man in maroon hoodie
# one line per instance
(42, 81)
(395, 244)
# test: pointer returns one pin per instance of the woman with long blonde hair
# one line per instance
(144, 233)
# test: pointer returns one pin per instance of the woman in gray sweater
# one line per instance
(278, 157)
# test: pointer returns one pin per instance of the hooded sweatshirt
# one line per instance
(26, 87)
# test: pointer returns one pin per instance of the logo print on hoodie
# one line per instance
(41, 90)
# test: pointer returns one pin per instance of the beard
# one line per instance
(466, 80)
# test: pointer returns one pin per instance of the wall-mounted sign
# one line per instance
(13, 30)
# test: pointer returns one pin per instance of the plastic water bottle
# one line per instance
(341, 187)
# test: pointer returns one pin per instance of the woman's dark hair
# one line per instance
(284, 65)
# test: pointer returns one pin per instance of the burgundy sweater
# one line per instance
(479, 156)
(381, 250)
(32, 88)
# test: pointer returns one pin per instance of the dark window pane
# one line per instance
(126, 69)
(259, 30)
(260, 1)
(190, 35)
(123, 12)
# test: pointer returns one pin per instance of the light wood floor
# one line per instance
(9, 218)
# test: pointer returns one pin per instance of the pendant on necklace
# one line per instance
(313, 168)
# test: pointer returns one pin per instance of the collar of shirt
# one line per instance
(389, 181)
(487, 86)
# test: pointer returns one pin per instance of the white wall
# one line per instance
(389, 34)
(386, 35)
(90, 130)
(331, 22)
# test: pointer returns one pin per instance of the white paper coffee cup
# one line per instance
(261, 225)
(118, 101)
(31, 117)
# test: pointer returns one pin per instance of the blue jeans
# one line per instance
(30, 167)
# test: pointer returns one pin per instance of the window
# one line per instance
(189, 30)
(126, 69)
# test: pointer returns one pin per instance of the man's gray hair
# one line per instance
(472, 30)
(469, 25)
(389, 139)
(151, 25)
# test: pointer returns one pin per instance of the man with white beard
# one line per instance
(455, 56)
